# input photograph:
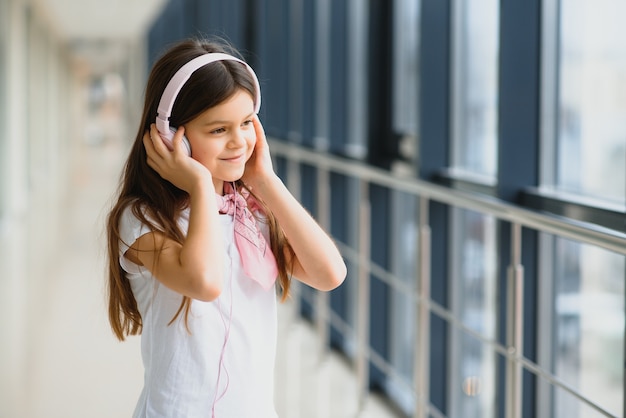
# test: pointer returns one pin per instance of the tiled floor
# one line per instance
(58, 358)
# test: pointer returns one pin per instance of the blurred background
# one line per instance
(469, 157)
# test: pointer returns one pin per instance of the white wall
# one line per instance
(38, 86)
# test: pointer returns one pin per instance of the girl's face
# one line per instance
(222, 138)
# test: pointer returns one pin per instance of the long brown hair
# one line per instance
(157, 202)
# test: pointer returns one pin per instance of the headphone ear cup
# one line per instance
(167, 141)
(186, 144)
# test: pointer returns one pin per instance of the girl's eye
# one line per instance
(248, 122)
(217, 131)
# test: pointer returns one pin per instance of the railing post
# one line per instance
(515, 325)
(421, 359)
(322, 299)
(363, 295)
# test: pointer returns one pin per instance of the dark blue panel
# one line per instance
(233, 21)
(519, 97)
(518, 159)
(434, 105)
(338, 77)
(439, 224)
(379, 291)
(281, 168)
(309, 96)
(273, 64)
(222, 19)
(382, 143)
(308, 198)
(339, 221)
(209, 17)
(168, 28)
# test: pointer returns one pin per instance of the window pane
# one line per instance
(476, 86)
(474, 304)
(403, 312)
(589, 327)
(592, 102)
(405, 66)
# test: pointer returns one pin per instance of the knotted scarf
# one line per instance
(256, 255)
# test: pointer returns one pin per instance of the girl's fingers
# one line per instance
(157, 142)
(258, 129)
(177, 139)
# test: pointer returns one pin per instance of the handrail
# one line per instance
(580, 231)
(517, 216)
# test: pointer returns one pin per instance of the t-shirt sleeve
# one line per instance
(131, 228)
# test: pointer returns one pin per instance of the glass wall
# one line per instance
(591, 144)
(404, 251)
(405, 66)
(475, 86)
(471, 387)
(403, 307)
(582, 321)
(586, 321)
(473, 364)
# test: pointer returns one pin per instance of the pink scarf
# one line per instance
(256, 255)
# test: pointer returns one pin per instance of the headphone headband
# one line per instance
(164, 111)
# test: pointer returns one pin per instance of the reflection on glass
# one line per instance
(589, 327)
(592, 102)
(476, 86)
(474, 303)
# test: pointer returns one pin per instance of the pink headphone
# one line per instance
(164, 111)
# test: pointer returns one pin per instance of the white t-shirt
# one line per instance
(226, 363)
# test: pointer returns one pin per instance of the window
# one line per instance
(591, 134)
(473, 365)
(475, 86)
(581, 309)
(403, 305)
(405, 66)
(585, 317)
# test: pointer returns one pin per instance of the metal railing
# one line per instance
(426, 192)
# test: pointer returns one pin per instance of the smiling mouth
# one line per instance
(233, 159)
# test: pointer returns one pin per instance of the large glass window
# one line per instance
(356, 51)
(475, 86)
(591, 145)
(473, 365)
(586, 321)
(403, 304)
(405, 66)
(582, 287)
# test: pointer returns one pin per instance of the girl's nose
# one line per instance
(237, 139)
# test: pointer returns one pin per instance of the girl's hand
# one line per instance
(259, 166)
(174, 166)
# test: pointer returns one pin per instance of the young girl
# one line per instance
(201, 230)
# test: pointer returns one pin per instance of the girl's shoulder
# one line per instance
(135, 221)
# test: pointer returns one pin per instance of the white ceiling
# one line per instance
(99, 31)
(98, 19)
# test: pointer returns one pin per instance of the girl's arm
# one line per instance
(318, 262)
(194, 268)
